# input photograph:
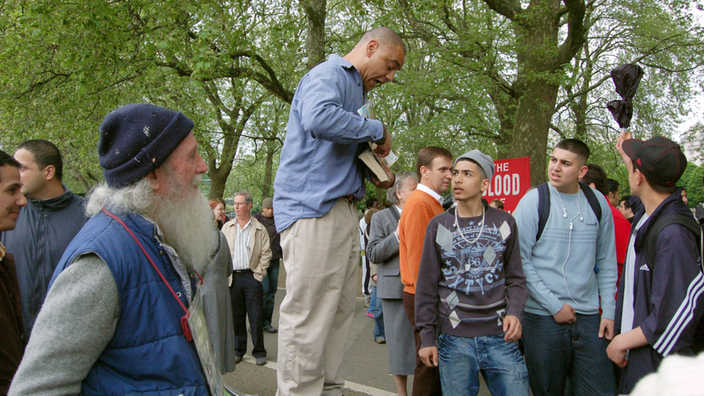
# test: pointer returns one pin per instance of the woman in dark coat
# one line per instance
(383, 250)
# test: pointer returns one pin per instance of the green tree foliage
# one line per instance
(687, 175)
(515, 52)
(492, 74)
(66, 65)
(695, 187)
(660, 36)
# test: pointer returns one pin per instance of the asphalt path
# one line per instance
(364, 367)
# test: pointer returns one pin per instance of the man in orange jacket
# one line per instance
(434, 168)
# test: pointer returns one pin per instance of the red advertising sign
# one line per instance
(510, 183)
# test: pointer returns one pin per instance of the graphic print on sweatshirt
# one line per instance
(471, 268)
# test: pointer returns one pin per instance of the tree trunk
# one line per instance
(226, 158)
(76, 174)
(232, 127)
(580, 104)
(579, 108)
(269, 168)
(316, 12)
(532, 125)
(537, 82)
(505, 106)
(218, 180)
(540, 60)
(219, 175)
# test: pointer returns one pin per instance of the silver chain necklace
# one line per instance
(481, 226)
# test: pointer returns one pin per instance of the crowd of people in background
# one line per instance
(146, 287)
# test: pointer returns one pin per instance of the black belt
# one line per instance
(242, 271)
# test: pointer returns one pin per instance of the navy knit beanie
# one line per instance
(136, 139)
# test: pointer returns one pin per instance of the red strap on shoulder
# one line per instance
(184, 319)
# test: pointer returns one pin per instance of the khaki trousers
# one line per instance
(321, 258)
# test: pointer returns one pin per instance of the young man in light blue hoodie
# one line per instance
(571, 277)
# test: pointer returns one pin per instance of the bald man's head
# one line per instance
(385, 36)
(378, 56)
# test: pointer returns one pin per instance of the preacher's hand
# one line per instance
(384, 185)
(382, 150)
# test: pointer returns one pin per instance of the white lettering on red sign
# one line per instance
(510, 182)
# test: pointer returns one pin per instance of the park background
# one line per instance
(508, 77)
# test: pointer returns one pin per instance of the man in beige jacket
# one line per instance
(251, 253)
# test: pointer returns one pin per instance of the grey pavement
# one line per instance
(364, 366)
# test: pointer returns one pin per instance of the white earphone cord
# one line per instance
(569, 244)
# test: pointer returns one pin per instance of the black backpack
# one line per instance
(544, 205)
(650, 240)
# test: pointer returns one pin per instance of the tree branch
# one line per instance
(576, 32)
(507, 8)
(558, 130)
(271, 82)
(44, 82)
(572, 96)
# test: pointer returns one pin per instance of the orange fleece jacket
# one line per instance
(419, 209)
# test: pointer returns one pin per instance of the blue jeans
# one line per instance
(556, 351)
(375, 309)
(270, 285)
(500, 362)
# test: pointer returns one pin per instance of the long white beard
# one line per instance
(183, 215)
(187, 224)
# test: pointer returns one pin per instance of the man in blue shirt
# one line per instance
(318, 181)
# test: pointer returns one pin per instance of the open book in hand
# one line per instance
(374, 164)
(368, 156)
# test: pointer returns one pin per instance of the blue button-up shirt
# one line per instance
(319, 158)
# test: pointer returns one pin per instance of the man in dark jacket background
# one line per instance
(12, 336)
(52, 217)
(270, 284)
(660, 300)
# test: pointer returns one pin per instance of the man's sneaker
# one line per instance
(270, 329)
(238, 359)
(380, 340)
(261, 361)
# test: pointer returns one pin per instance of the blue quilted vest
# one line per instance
(148, 353)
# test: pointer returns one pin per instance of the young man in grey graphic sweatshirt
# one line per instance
(471, 289)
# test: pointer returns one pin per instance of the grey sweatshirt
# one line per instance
(467, 289)
(81, 310)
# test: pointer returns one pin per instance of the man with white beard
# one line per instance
(117, 318)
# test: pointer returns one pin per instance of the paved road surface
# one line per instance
(364, 367)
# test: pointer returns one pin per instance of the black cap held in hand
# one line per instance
(660, 159)
(136, 139)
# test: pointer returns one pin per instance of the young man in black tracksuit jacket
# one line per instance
(659, 303)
